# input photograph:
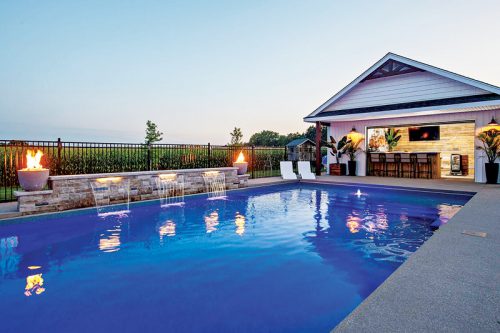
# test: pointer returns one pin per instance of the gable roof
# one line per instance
(298, 142)
(392, 64)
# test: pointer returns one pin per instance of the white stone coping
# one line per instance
(136, 173)
(31, 193)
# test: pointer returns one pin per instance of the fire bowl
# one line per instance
(33, 180)
(242, 167)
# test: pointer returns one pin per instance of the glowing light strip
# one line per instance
(168, 176)
(108, 179)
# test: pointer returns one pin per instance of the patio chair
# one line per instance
(305, 170)
(286, 169)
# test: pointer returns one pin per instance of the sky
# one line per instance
(98, 70)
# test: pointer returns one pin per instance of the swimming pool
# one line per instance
(284, 258)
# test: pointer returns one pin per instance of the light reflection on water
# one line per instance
(34, 283)
(212, 221)
(167, 229)
(109, 241)
(446, 212)
(240, 224)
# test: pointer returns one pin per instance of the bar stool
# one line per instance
(376, 164)
(424, 166)
(407, 166)
(391, 166)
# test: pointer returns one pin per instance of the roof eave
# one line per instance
(466, 107)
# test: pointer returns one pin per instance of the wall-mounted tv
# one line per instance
(424, 133)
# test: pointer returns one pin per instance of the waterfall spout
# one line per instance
(111, 189)
(215, 183)
(170, 189)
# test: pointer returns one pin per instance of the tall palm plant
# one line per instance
(490, 139)
(392, 137)
(351, 148)
(336, 148)
(490, 144)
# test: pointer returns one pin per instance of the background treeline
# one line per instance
(268, 138)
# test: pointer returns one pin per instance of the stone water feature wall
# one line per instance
(75, 191)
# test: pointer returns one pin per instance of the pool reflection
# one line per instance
(9, 259)
(34, 283)
(240, 224)
(166, 229)
(109, 240)
(211, 222)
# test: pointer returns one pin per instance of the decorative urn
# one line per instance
(241, 164)
(34, 177)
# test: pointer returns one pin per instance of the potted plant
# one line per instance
(490, 139)
(352, 148)
(392, 137)
(337, 168)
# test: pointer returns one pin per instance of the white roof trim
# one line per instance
(421, 111)
(431, 69)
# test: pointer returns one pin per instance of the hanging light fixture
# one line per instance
(492, 125)
(355, 136)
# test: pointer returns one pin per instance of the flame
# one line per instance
(241, 158)
(33, 160)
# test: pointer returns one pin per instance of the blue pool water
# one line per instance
(285, 258)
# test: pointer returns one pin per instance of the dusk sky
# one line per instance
(98, 70)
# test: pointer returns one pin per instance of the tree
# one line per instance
(152, 133)
(310, 133)
(265, 138)
(236, 136)
(290, 137)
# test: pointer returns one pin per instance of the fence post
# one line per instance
(253, 162)
(149, 156)
(209, 155)
(59, 150)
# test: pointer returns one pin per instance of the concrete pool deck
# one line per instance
(451, 283)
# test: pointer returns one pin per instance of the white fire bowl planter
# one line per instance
(242, 167)
(33, 180)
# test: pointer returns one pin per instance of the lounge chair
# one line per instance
(286, 170)
(305, 170)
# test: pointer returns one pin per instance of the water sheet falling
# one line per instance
(215, 183)
(111, 189)
(170, 189)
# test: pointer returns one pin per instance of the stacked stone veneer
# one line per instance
(75, 191)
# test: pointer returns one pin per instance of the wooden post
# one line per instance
(318, 148)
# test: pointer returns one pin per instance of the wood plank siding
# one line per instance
(412, 87)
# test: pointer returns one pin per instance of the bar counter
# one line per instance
(405, 164)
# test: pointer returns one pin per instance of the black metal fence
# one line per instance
(67, 158)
